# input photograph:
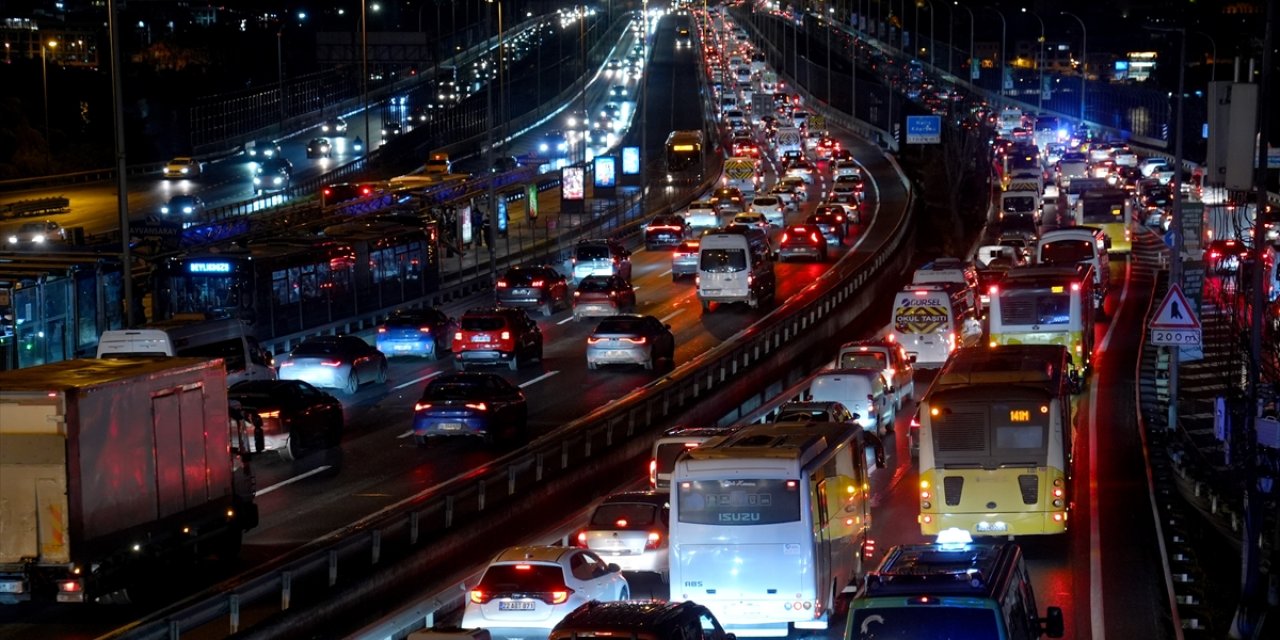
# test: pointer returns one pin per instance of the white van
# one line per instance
(735, 265)
(863, 391)
(930, 323)
(193, 337)
(1072, 245)
(673, 443)
(951, 271)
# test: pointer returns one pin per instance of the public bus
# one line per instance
(770, 525)
(685, 157)
(997, 441)
(1045, 305)
(1110, 210)
(290, 284)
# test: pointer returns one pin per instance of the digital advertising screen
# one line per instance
(572, 183)
(606, 172)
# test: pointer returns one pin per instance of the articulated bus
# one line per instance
(1045, 305)
(685, 157)
(290, 284)
(1110, 210)
(996, 442)
(770, 525)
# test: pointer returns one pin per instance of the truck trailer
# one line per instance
(111, 469)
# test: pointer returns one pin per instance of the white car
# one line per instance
(182, 167)
(803, 170)
(630, 528)
(526, 591)
(702, 214)
(771, 208)
(751, 219)
(845, 168)
(36, 233)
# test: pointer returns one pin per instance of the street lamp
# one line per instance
(44, 74)
(1084, 59)
(1213, 48)
(933, 43)
(1003, 28)
(1039, 61)
(972, 75)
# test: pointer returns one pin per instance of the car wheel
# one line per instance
(353, 383)
(514, 363)
(459, 365)
(382, 374)
(422, 441)
(291, 450)
(548, 309)
(591, 366)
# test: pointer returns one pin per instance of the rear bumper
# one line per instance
(484, 357)
(989, 524)
(407, 347)
(616, 356)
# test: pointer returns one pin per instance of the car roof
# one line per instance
(261, 386)
(531, 554)
(626, 615)
(647, 497)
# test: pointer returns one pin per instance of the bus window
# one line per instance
(746, 502)
(1066, 252)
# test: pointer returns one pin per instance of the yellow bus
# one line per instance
(1110, 210)
(1045, 305)
(996, 442)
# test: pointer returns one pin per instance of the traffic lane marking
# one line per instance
(538, 379)
(284, 483)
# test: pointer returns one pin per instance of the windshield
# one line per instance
(1035, 308)
(1066, 251)
(454, 390)
(924, 623)
(482, 323)
(739, 502)
(624, 514)
(592, 252)
(723, 260)
(522, 578)
(593, 285)
(520, 277)
(863, 360)
(1019, 204)
(316, 349)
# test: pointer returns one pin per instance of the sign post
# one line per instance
(1175, 324)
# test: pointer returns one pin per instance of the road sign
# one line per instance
(1175, 312)
(1175, 337)
(924, 129)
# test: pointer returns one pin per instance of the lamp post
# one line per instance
(364, 69)
(1039, 61)
(280, 73)
(933, 42)
(44, 74)
(956, 3)
(1084, 59)
(1004, 25)
(1213, 51)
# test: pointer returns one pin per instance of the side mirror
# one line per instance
(1051, 624)
(614, 568)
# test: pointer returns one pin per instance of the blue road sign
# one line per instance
(924, 129)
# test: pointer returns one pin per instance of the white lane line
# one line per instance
(665, 273)
(265, 490)
(1096, 621)
(538, 379)
(671, 315)
(405, 435)
(566, 320)
(415, 381)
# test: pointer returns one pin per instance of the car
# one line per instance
(600, 138)
(665, 231)
(640, 619)
(851, 213)
(503, 164)
(745, 147)
(842, 155)
(827, 147)
(296, 417)
(525, 591)
(845, 168)
(611, 116)
(803, 241)
(751, 219)
(334, 126)
(533, 287)
(802, 169)
(391, 129)
(471, 404)
(790, 157)
(182, 167)
(426, 332)
(319, 148)
(854, 181)
(600, 257)
(787, 194)
(728, 199)
(630, 528)
(803, 411)
(496, 335)
(577, 120)
(684, 260)
(272, 175)
(261, 149)
(796, 184)
(771, 207)
(335, 362)
(618, 92)
(553, 144)
(630, 339)
(186, 206)
(1226, 256)
(831, 226)
(886, 355)
(603, 296)
(36, 233)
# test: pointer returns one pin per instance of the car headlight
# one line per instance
(164, 209)
(38, 238)
(542, 147)
(13, 239)
(185, 170)
(278, 180)
(188, 209)
(256, 180)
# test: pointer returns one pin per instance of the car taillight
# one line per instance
(536, 283)
(580, 540)
(421, 406)
(478, 406)
(784, 238)
(506, 335)
(268, 415)
(653, 472)
(479, 597)
(502, 284)
(457, 335)
(382, 329)
(70, 586)
(813, 237)
(331, 363)
(653, 541)
(635, 340)
(558, 597)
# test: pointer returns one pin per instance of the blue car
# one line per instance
(425, 333)
(471, 404)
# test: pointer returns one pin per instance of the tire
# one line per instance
(514, 363)
(591, 366)
(422, 441)
(291, 450)
(353, 383)
(548, 309)
(382, 374)
(706, 306)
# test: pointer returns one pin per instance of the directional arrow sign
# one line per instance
(1175, 312)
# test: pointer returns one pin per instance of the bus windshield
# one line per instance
(739, 502)
(1035, 308)
(924, 623)
(723, 260)
(1066, 251)
(989, 431)
(1102, 210)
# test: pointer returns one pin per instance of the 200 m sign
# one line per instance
(1176, 337)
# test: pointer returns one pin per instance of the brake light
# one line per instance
(653, 472)
(506, 335)
(1075, 286)
(478, 406)
(537, 283)
(267, 415)
(421, 406)
(581, 539)
(813, 237)
(993, 290)
(560, 597)
(635, 340)
(502, 284)
(479, 597)
(1214, 254)
(784, 238)
(70, 586)
(331, 363)
(653, 541)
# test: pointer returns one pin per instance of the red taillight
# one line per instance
(813, 237)
(331, 363)
(653, 541)
(536, 283)
(478, 406)
(364, 191)
(993, 290)
(502, 284)
(559, 597)
(506, 335)
(1214, 254)
(421, 406)
(784, 238)
(424, 329)
(457, 335)
(581, 539)
(634, 340)
(479, 597)
(70, 586)
(594, 340)
(653, 472)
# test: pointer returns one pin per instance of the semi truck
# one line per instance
(113, 470)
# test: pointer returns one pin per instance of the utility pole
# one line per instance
(122, 180)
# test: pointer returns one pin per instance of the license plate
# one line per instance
(480, 338)
(402, 347)
(521, 292)
(515, 605)
(449, 426)
(992, 527)
(14, 586)
(711, 292)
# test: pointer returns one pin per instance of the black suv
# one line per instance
(665, 231)
(499, 335)
(640, 619)
(540, 287)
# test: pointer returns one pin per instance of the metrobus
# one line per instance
(770, 525)
(1110, 210)
(290, 284)
(997, 441)
(685, 157)
(1045, 305)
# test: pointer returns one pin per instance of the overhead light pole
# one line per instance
(1004, 26)
(1039, 61)
(956, 3)
(44, 74)
(1084, 60)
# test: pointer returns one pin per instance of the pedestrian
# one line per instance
(477, 221)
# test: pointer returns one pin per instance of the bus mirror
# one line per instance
(1051, 624)
(1073, 378)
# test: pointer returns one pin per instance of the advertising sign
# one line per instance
(502, 216)
(531, 201)
(631, 161)
(464, 224)
(572, 183)
(606, 172)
